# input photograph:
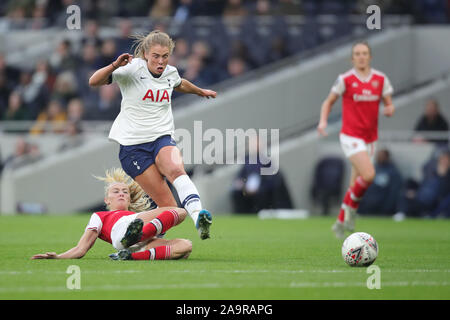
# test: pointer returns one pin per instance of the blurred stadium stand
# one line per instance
(292, 51)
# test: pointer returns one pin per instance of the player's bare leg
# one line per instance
(153, 183)
(338, 227)
(363, 173)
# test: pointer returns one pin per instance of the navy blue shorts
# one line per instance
(137, 158)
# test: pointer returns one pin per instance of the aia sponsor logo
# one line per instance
(157, 96)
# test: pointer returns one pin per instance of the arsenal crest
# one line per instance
(375, 83)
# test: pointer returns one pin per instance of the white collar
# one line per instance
(369, 76)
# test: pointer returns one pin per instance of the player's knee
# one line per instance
(183, 248)
(182, 214)
(187, 246)
(368, 176)
(175, 172)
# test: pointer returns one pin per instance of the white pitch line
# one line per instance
(363, 284)
(111, 288)
(219, 286)
(348, 270)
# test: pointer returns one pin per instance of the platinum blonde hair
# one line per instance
(139, 201)
(143, 43)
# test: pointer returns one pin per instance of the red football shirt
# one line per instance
(103, 222)
(360, 102)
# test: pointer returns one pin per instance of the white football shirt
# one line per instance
(146, 108)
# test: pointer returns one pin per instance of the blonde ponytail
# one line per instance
(139, 201)
(143, 43)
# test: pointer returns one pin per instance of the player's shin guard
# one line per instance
(158, 253)
(163, 222)
(189, 197)
(355, 193)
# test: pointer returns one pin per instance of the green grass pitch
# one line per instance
(246, 258)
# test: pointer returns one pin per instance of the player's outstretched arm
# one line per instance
(101, 76)
(188, 87)
(324, 112)
(86, 242)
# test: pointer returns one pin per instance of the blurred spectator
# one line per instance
(25, 153)
(183, 11)
(236, 66)
(16, 15)
(65, 87)
(44, 76)
(431, 11)
(91, 35)
(5, 91)
(89, 63)
(108, 105)
(39, 19)
(63, 58)
(75, 110)
(72, 136)
(11, 73)
(124, 42)
(278, 49)
(239, 49)
(443, 171)
(16, 109)
(234, 8)
(135, 8)
(180, 55)
(108, 52)
(32, 88)
(52, 119)
(195, 71)
(161, 9)
(203, 51)
(263, 8)
(252, 192)
(383, 193)
(89, 57)
(430, 196)
(431, 120)
(327, 182)
(288, 7)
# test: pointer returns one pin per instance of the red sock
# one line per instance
(341, 215)
(360, 187)
(158, 253)
(163, 222)
(355, 193)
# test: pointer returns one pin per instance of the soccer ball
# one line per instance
(360, 249)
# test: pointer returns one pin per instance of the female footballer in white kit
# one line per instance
(144, 127)
(362, 88)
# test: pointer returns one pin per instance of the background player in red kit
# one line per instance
(135, 235)
(362, 88)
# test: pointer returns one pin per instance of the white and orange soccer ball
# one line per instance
(360, 249)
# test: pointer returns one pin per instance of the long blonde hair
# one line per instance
(139, 201)
(143, 43)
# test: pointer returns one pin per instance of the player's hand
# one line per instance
(389, 110)
(47, 255)
(321, 129)
(123, 60)
(207, 93)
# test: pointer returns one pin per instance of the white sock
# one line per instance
(188, 194)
